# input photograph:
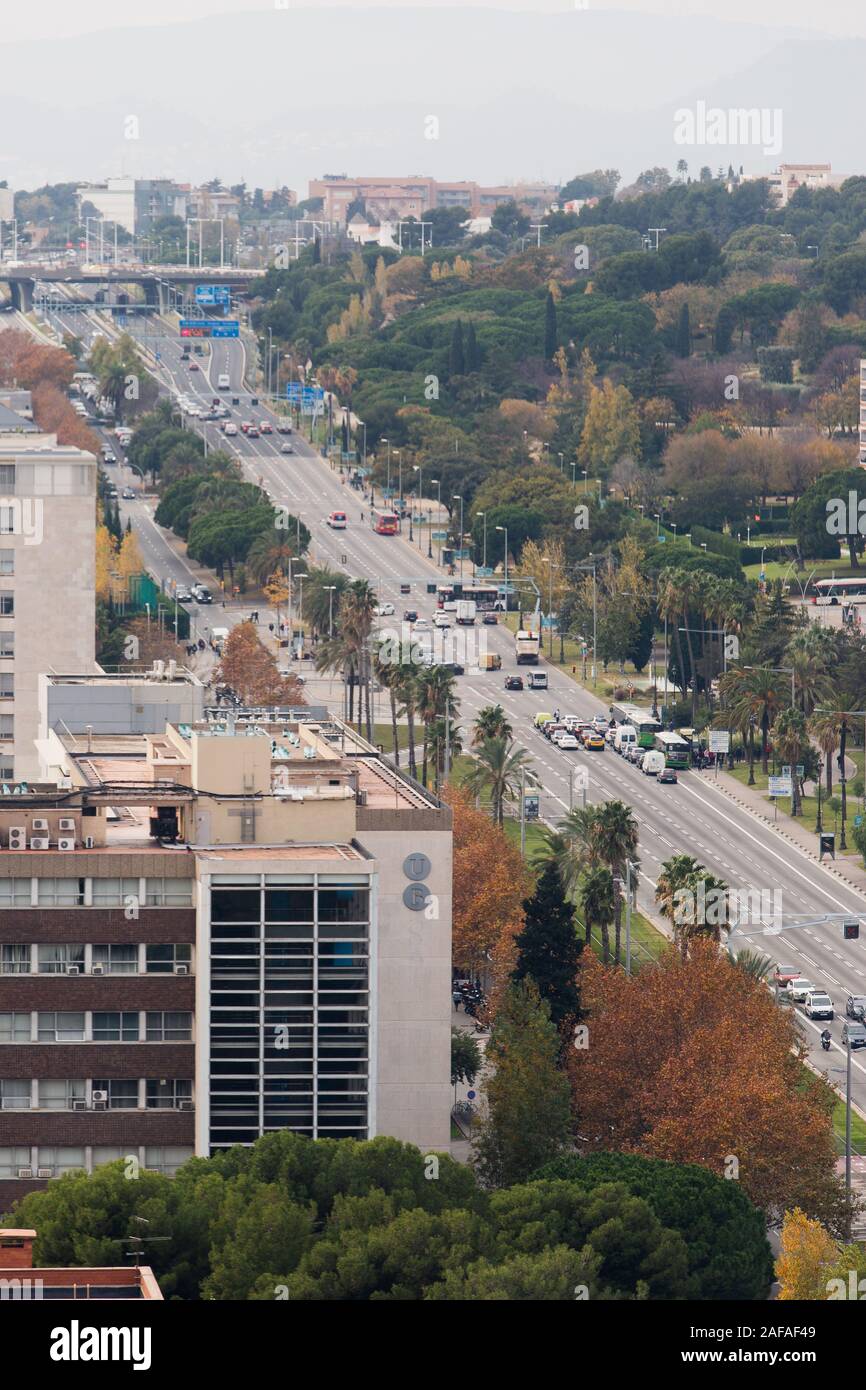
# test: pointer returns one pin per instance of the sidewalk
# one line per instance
(795, 831)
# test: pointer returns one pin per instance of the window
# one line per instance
(14, 1095)
(58, 957)
(7, 772)
(61, 1027)
(7, 643)
(122, 1095)
(14, 892)
(170, 892)
(107, 1153)
(7, 685)
(59, 1095)
(165, 1095)
(115, 1027)
(11, 1159)
(15, 1028)
(114, 892)
(161, 960)
(116, 960)
(165, 1158)
(174, 1026)
(7, 562)
(7, 478)
(7, 605)
(343, 905)
(59, 892)
(61, 1158)
(15, 960)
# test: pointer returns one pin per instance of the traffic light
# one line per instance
(851, 930)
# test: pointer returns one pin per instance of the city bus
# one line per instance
(644, 725)
(384, 523)
(834, 590)
(677, 752)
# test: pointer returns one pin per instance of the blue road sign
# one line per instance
(209, 328)
(213, 295)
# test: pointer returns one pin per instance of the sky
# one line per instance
(61, 19)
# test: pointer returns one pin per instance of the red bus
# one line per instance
(384, 523)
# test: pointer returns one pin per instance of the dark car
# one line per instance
(193, 366)
(667, 774)
(409, 615)
(253, 432)
(855, 1033)
(490, 619)
(453, 668)
(855, 1006)
(513, 682)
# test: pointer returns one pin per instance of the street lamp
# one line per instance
(388, 484)
(505, 530)
(457, 498)
(330, 588)
(419, 469)
(438, 523)
(584, 471)
(484, 543)
(551, 567)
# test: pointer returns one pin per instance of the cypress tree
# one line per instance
(473, 360)
(551, 334)
(457, 358)
(549, 948)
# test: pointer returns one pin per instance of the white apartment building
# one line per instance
(47, 581)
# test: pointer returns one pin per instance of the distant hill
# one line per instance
(285, 95)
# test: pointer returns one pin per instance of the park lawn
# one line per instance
(858, 1129)
(384, 734)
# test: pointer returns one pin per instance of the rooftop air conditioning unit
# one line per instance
(17, 837)
(66, 842)
(181, 970)
(66, 823)
(39, 823)
(185, 1105)
(45, 1172)
(97, 970)
(39, 842)
(25, 1172)
(73, 969)
(79, 1105)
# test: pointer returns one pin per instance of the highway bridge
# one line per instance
(158, 281)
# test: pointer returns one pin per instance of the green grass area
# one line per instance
(858, 1129)
(534, 834)
(384, 734)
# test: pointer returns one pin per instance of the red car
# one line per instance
(265, 427)
(784, 974)
(193, 366)
(245, 426)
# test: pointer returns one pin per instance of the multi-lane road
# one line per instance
(693, 816)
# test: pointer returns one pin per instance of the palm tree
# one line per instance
(387, 673)
(269, 552)
(498, 769)
(406, 690)
(682, 875)
(824, 727)
(436, 699)
(754, 697)
(791, 738)
(356, 613)
(597, 906)
(337, 655)
(753, 964)
(112, 385)
(580, 852)
(490, 722)
(616, 834)
(669, 609)
(809, 661)
(319, 603)
(674, 876)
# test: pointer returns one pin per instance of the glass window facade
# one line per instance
(289, 999)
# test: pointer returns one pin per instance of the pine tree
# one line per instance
(457, 359)
(551, 334)
(684, 333)
(473, 360)
(528, 1098)
(317, 251)
(548, 947)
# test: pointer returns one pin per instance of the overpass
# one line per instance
(157, 281)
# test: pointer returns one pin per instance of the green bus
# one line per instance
(677, 752)
(642, 722)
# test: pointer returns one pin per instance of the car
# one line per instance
(423, 625)
(182, 594)
(818, 1005)
(201, 594)
(601, 721)
(799, 988)
(784, 974)
(336, 520)
(855, 1033)
(287, 449)
(667, 775)
(245, 426)
(452, 667)
(252, 432)
(384, 610)
(128, 494)
(112, 492)
(230, 428)
(489, 619)
(541, 718)
(441, 619)
(265, 427)
(855, 1007)
(409, 615)
(108, 456)
(594, 742)
(283, 427)
(567, 740)
(634, 753)
(193, 366)
(513, 682)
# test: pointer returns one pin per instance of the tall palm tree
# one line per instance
(791, 738)
(356, 613)
(498, 769)
(436, 700)
(824, 728)
(320, 604)
(616, 835)
(406, 691)
(580, 849)
(809, 662)
(112, 385)
(674, 876)
(387, 673)
(597, 906)
(490, 722)
(669, 610)
(682, 874)
(754, 697)
(269, 552)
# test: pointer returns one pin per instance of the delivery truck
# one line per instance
(527, 645)
(465, 614)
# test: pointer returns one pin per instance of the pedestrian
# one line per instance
(456, 996)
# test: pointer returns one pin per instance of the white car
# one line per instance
(441, 619)
(384, 610)
(567, 740)
(422, 625)
(819, 1005)
(799, 988)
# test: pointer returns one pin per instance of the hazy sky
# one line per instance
(59, 19)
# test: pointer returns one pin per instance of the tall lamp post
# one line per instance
(438, 523)
(484, 543)
(457, 498)
(330, 590)
(505, 530)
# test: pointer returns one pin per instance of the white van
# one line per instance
(653, 762)
(537, 679)
(625, 735)
(224, 381)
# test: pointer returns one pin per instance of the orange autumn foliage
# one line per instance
(692, 1061)
(490, 883)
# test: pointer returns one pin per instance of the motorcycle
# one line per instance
(826, 1040)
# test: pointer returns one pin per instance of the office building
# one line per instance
(134, 204)
(21, 1281)
(232, 927)
(390, 199)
